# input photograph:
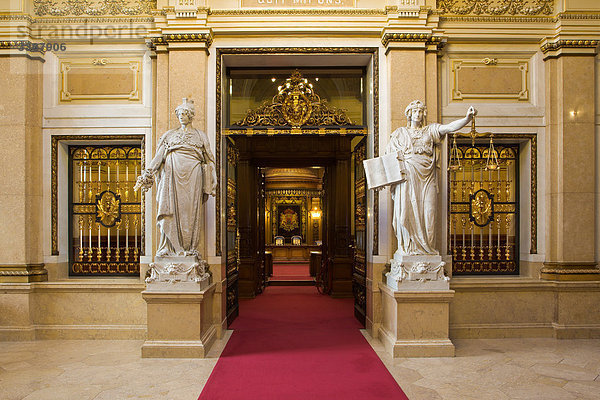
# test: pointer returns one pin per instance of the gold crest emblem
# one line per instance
(482, 207)
(288, 220)
(108, 208)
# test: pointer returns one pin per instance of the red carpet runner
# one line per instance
(291, 272)
(293, 343)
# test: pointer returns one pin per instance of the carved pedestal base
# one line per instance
(422, 272)
(179, 274)
(416, 323)
(180, 324)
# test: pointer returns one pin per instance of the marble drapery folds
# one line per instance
(185, 179)
(415, 199)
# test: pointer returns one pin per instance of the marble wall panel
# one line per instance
(501, 307)
(406, 82)
(12, 229)
(579, 307)
(578, 230)
(92, 306)
(500, 79)
(100, 79)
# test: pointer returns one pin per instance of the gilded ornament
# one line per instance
(481, 208)
(296, 104)
(289, 220)
(497, 7)
(93, 8)
(108, 208)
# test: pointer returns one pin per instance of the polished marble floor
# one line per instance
(482, 369)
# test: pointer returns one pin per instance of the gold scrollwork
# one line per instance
(296, 104)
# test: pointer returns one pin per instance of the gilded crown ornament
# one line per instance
(296, 104)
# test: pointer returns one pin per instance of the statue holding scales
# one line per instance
(409, 167)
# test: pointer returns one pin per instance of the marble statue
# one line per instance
(415, 199)
(184, 168)
(414, 195)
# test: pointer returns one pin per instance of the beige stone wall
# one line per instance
(112, 309)
(521, 307)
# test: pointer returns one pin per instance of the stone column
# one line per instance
(21, 166)
(570, 159)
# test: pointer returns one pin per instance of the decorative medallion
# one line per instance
(295, 105)
(481, 206)
(296, 108)
(108, 209)
(288, 220)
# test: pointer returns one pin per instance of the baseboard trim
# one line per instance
(73, 332)
(501, 331)
(415, 348)
(585, 331)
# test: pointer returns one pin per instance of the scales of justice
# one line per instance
(409, 168)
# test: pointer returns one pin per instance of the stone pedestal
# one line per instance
(416, 322)
(180, 324)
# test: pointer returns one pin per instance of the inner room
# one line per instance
(293, 224)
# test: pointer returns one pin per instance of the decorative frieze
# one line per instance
(497, 7)
(93, 8)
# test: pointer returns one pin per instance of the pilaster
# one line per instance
(570, 159)
(21, 166)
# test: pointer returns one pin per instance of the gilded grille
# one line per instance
(106, 214)
(483, 212)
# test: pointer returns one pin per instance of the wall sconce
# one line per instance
(315, 213)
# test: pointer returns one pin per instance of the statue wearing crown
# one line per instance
(184, 170)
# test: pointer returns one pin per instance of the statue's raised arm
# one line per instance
(459, 123)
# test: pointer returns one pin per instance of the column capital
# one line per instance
(557, 47)
(412, 41)
(179, 41)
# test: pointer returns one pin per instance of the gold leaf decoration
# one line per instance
(296, 104)
(497, 7)
(108, 208)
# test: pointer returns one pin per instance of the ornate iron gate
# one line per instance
(483, 212)
(106, 219)
(359, 271)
